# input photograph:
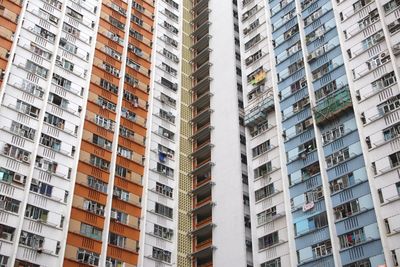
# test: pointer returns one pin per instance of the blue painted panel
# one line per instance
(320, 262)
(299, 139)
(343, 142)
(325, 58)
(300, 163)
(291, 79)
(350, 194)
(293, 98)
(346, 167)
(312, 238)
(319, 207)
(329, 77)
(323, 39)
(362, 251)
(282, 12)
(300, 116)
(288, 61)
(314, 6)
(286, 44)
(318, 22)
(357, 221)
(284, 27)
(305, 186)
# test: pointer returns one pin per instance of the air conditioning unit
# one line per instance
(303, 83)
(117, 193)
(35, 182)
(18, 178)
(382, 55)
(114, 215)
(166, 134)
(379, 36)
(307, 123)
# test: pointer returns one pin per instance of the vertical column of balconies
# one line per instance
(312, 241)
(369, 31)
(266, 188)
(316, 205)
(9, 14)
(201, 156)
(160, 219)
(41, 137)
(105, 217)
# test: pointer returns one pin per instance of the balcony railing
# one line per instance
(257, 113)
(332, 106)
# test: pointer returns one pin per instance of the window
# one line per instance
(263, 170)
(394, 159)
(117, 240)
(54, 120)
(40, 51)
(102, 142)
(128, 114)
(22, 130)
(49, 36)
(170, 28)
(10, 176)
(36, 213)
(272, 263)
(352, 238)
(50, 142)
(41, 188)
(91, 231)
(58, 101)
(125, 132)
(3, 261)
(71, 30)
(262, 148)
(99, 162)
(110, 262)
(164, 189)
(96, 184)
(171, 15)
(136, 20)
(170, 55)
(163, 210)
(61, 81)
(163, 232)
(9, 204)
(6, 233)
(337, 157)
(162, 255)
(268, 240)
(103, 122)
(31, 240)
(346, 210)
(342, 182)
(124, 152)
(121, 217)
(16, 153)
(109, 86)
(172, 3)
(36, 69)
(264, 192)
(266, 215)
(116, 23)
(169, 172)
(93, 207)
(121, 194)
(88, 257)
(322, 249)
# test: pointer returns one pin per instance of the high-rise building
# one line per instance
(74, 101)
(199, 133)
(324, 74)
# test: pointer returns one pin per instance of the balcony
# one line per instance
(257, 113)
(332, 106)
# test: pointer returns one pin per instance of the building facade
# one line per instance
(199, 133)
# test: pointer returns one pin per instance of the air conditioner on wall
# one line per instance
(18, 178)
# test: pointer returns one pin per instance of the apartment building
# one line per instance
(160, 206)
(74, 100)
(333, 96)
(212, 221)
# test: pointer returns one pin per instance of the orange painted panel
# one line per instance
(98, 130)
(103, 92)
(101, 73)
(90, 194)
(132, 145)
(124, 230)
(123, 255)
(8, 24)
(86, 217)
(129, 186)
(126, 207)
(11, 6)
(79, 241)
(93, 149)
